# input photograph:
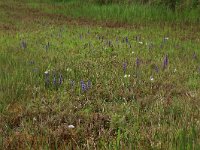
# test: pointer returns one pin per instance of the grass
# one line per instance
(109, 83)
(134, 13)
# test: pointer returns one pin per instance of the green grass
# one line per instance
(140, 107)
(128, 112)
(133, 13)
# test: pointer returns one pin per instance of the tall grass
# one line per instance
(133, 13)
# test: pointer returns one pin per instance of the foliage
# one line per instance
(65, 85)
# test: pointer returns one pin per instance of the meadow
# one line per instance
(72, 81)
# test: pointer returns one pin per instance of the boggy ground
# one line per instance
(119, 86)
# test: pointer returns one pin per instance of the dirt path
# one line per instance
(26, 17)
(18, 16)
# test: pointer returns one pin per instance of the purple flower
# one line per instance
(126, 39)
(124, 67)
(54, 80)
(83, 86)
(47, 81)
(156, 69)
(47, 46)
(24, 44)
(89, 84)
(109, 43)
(60, 79)
(165, 62)
(137, 62)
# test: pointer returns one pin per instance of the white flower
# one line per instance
(133, 52)
(71, 126)
(166, 38)
(47, 72)
(127, 76)
(34, 119)
(140, 42)
(175, 70)
(151, 78)
(68, 69)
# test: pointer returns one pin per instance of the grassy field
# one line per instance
(72, 82)
(135, 13)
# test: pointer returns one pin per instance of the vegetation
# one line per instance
(125, 12)
(68, 83)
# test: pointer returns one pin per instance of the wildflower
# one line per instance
(46, 78)
(60, 79)
(47, 72)
(175, 70)
(34, 119)
(166, 61)
(126, 40)
(151, 78)
(24, 44)
(69, 70)
(109, 43)
(71, 126)
(54, 80)
(156, 69)
(137, 62)
(165, 39)
(124, 67)
(47, 46)
(89, 84)
(127, 76)
(140, 42)
(83, 86)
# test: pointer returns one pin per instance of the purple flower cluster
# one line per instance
(55, 82)
(85, 86)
